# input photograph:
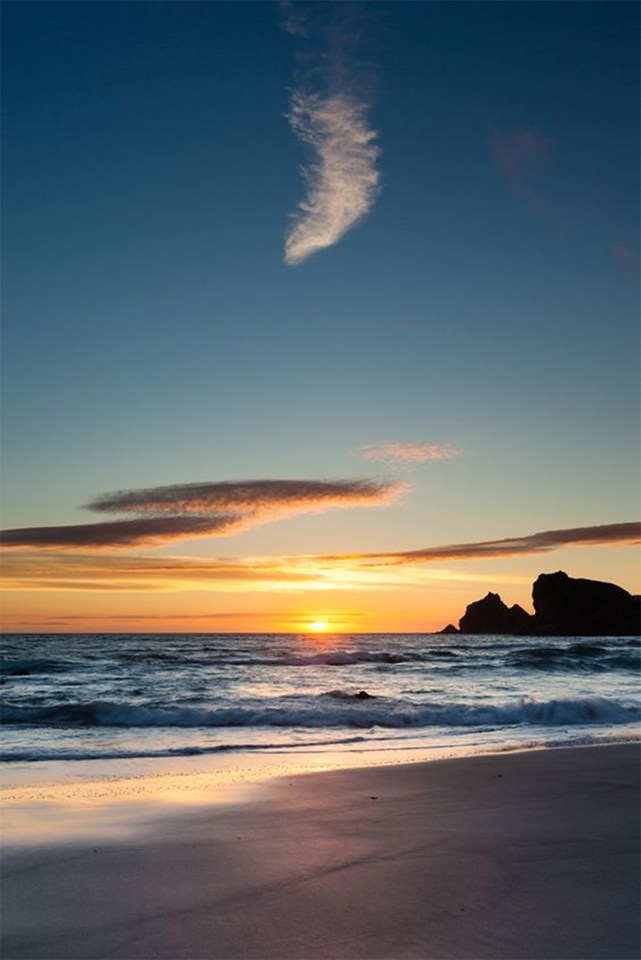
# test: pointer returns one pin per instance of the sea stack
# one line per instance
(565, 606)
(491, 615)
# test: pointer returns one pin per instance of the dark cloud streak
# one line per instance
(513, 546)
(119, 533)
(249, 495)
(186, 511)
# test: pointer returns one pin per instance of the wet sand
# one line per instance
(531, 855)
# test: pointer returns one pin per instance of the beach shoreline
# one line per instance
(530, 854)
(48, 803)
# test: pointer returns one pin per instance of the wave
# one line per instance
(61, 754)
(323, 711)
(149, 657)
(20, 755)
(332, 658)
(27, 667)
(337, 658)
(578, 656)
(584, 654)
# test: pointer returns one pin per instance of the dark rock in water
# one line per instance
(344, 695)
(565, 606)
(491, 615)
(450, 628)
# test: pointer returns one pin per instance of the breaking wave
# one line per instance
(332, 711)
(19, 755)
(331, 658)
(578, 656)
(71, 697)
(338, 658)
(27, 667)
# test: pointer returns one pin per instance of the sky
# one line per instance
(316, 312)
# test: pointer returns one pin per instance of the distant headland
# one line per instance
(563, 606)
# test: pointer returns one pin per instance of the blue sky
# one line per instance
(488, 300)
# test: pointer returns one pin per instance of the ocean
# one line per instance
(108, 697)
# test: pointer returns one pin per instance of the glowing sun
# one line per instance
(319, 626)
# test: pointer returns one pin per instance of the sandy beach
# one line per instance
(529, 855)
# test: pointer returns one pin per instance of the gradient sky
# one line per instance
(382, 257)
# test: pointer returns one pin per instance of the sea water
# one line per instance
(107, 697)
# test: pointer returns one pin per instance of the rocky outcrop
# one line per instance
(565, 606)
(491, 615)
(450, 628)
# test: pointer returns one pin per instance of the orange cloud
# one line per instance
(409, 452)
(511, 546)
(120, 533)
(376, 571)
(186, 511)
(116, 572)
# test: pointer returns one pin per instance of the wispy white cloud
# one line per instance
(343, 182)
(329, 113)
(409, 452)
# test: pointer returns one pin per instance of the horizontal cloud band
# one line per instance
(118, 572)
(120, 533)
(244, 496)
(511, 546)
(193, 510)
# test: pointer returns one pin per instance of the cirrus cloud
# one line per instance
(329, 114)
(342, 183)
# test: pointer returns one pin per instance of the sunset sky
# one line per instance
(316, 313)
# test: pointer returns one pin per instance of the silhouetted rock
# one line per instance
(491, 615)
(450, 628)
(564, 606)
(590, 608)
(346, 695)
